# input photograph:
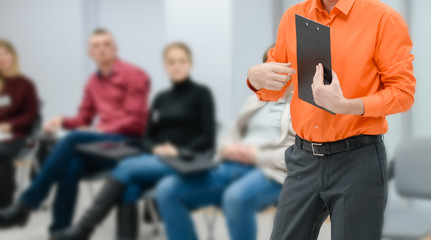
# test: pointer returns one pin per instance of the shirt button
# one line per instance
(316, 126)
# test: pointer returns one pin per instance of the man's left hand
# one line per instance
(331, 96)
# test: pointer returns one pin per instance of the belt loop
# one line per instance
(348, 144)
(299, 142)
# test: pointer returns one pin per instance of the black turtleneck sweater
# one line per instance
(184, 116)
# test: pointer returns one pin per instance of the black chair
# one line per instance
(26, 159)
(410, 171)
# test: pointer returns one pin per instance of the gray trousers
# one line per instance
(350, 187)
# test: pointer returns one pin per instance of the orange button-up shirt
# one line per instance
(370, 47)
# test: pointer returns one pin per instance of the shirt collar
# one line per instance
(343, 5)
(115, 69)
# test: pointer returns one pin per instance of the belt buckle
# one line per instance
(314, 152)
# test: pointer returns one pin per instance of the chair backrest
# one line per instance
(35, 129)
(412, 169)
(37, 124)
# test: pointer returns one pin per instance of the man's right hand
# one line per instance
(53, 125)
(271, 76)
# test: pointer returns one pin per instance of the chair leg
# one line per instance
(24, 168)
(154, 216)
(23, 173)
(210, 221)
(19, 177)
(91, 190)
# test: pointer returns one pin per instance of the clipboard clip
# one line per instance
(306, 24)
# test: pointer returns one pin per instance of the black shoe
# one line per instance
(73, 233)
(127, 222)
(14, 215)
(103, 203)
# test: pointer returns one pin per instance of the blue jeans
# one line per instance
(65, 167)
(140, 174)
(240, 190)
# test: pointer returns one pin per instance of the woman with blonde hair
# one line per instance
(18, 110)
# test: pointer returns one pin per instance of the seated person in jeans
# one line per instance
(248, 180)
(181, 119)
(19, 109)
(117, 95)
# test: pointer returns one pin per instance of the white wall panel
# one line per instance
(205, 25)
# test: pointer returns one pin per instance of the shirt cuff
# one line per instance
(70, 123)
(372, 106)
(251, 86)
(268, 95)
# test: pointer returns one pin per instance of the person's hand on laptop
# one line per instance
(245, 154)
(53, 125)
(331, 96)
(165, 150)
(271, 76)
(230, 151)
(171, 150)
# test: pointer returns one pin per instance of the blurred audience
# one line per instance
(249, 178)
(117, 95)
(19, 109)
(181, 120)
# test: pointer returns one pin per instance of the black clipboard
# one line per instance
(313, 45)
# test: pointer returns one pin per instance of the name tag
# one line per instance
(5, 101)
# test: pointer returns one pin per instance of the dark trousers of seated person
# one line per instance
(65, 167)
(8, 152)
(349, 186)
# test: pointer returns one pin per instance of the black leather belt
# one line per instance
(328, 148)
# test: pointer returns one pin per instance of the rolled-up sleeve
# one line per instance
(86, 113)
(395, 63)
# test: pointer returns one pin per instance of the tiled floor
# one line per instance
(36, 229)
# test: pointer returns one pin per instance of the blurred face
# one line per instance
(177, 64)
(6, 60)
(102, 48)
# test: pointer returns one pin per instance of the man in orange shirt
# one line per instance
(338, 163)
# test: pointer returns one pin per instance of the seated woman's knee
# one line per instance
(167, 188)
(236, 199)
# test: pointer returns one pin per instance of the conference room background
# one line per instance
(226, 37)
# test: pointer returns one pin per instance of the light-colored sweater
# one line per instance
(270, 156)
(264, 126)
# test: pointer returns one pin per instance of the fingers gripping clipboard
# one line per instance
(313, 43)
